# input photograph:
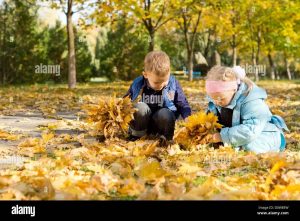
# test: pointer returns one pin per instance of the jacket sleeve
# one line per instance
(181, 102)
(129, 92)
(254, 116)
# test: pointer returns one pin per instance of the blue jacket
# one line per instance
(253, 126)
(173, 96)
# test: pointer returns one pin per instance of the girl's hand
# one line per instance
(216, 138)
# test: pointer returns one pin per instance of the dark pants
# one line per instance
(161, 122)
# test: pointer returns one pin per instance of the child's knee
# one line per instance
(138, 126)
(164, 116)
(268, 141)
(143, 110)
(164, 122)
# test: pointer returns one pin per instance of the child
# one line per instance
(241, 109)
(162, 99)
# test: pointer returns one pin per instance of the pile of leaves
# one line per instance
(198, 129)
(110, 117)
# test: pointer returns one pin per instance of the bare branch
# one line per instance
(161, 16)
(185, 31)
(62, 6)
(169, 19)
(197, 23)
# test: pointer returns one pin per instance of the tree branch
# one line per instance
(185, 31)
(197, 22)
(163, 23)
(161, 16)
(62, 6)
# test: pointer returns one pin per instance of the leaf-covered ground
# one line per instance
(47, 152)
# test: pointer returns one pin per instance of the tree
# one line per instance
(276, 36)
(172, 41)
(18, 40)
(190, 14)
(152, 14)
(70, 7)
(54, 50)
(85, 68)
(124, 58)
(189, 24)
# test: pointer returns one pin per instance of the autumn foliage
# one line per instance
(60, 160)
(111, 117)
(198, 129)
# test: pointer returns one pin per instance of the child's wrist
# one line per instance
(217, 138)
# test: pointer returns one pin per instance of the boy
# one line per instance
(162, 99)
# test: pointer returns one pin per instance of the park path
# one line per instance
(30, 126)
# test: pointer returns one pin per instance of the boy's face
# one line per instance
(156, 82)
(222, 99)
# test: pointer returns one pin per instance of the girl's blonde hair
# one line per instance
(221, 73)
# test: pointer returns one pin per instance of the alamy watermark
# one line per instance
(11, 161)
(47, 69)
(153, 99)
(23, 210)
(253, 69)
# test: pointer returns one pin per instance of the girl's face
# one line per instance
(222, 99)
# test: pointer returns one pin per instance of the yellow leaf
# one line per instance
(47, 137)
(7, 136)
(131, 188)
(31, 146)
(277, 166)
(151, 170)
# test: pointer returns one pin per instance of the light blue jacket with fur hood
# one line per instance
(254, 128)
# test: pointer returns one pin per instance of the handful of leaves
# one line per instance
(111, 117)
(198, 129)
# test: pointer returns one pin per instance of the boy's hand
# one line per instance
(216, 138)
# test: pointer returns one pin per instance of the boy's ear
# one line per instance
(144, 74)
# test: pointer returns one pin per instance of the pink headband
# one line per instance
(220, 86)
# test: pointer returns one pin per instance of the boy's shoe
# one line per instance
(164, 142)
(100, 138)
(132, 138)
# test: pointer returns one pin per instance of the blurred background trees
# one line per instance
(112, 37)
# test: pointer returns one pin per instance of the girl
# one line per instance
(241, 109)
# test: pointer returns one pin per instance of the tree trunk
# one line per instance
(258, 46)
(190, 41)
(190, 65)
(287, 66)
(71, 48)
(255, 69)
(277, 75)
(234, 51)
(215, 58)
(206, 49)
(272, 65)
(3, 57)
(234, 57)
(151, 40)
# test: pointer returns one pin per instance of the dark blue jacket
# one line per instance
(174, 98)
